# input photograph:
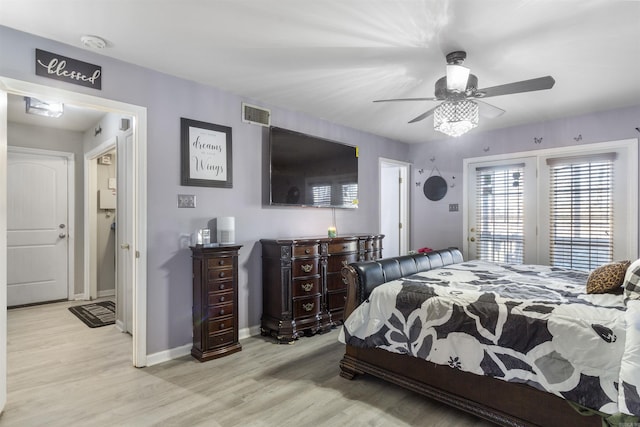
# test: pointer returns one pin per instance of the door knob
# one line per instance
(61, 226)
(124, 246)
(62, 235)
(472, 239)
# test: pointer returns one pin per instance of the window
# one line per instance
(500, 214)
(573, 207)
(581, 214)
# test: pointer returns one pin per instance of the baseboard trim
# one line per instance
(107, 293)
(185, 350)
(166, 355)
(251, 331)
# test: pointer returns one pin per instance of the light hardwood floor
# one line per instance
(62, 373)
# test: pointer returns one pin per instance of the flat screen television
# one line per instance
(309, 171)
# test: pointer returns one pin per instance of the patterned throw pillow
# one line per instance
(632, 281)
(607, 277)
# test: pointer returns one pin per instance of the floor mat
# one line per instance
(96, 314)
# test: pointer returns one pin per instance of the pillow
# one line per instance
(631, 281)
(607, 277)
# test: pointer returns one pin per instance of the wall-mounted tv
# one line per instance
(309, 171)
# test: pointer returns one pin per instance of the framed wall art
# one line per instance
(206, 159)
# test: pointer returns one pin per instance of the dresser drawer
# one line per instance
(220, 262)
(306, 286)
(220, 310)
(304, 267)
(220, 324)
(220, 339)
(305, 250)
(336, 262)
(336, 282)
(216, 274)
(305, 307)
(336, 300)
(221, 286)
(344, 247)
(216, 298)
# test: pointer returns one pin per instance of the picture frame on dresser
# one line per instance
(205, 154)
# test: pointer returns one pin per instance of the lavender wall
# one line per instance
(168, 99)
(434, 226)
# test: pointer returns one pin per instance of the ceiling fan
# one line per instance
(458, 113)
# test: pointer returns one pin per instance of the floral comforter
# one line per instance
(520, 323)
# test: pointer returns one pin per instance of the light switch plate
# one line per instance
(186, 200)
(453, 207)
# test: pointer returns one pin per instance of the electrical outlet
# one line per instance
(453, 207)
(186, 200)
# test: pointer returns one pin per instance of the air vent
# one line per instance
(256, 115)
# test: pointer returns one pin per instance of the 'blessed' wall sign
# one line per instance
(68, 70)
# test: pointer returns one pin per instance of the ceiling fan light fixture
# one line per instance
(457, 77)
(455, 118)
(43, 108)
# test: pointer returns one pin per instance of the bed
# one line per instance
(518, 345)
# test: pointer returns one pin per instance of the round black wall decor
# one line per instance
(435, 188)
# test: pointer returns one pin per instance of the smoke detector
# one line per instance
(93, 42)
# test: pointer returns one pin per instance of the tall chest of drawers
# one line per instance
(215, 301)
(302, 286)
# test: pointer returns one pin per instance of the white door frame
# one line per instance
(139, 245)
(71, 218)
(405, 170)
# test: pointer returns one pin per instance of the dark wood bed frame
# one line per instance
(503, 403)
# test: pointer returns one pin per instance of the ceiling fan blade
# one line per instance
(424, 115)
(489, 111)
(540, 83)
(406, 99)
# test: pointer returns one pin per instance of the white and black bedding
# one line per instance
(518, 323)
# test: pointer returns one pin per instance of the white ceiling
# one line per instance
(331, 58)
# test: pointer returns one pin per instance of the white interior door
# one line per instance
(394, 221)
(124, 234)
(37, 228)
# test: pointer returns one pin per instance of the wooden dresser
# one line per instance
(215, 301)
(302, 286)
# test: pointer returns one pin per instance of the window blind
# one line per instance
(581, 217)
(500, 213)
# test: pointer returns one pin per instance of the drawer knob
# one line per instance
(221, 274)
(306, 267)
(307, 251)
(307, 286)
(222, 299)
(221, 311)
(222, 286)
(221, 325)
(308, 306)
(221, 262)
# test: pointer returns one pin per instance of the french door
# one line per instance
(501, 215)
